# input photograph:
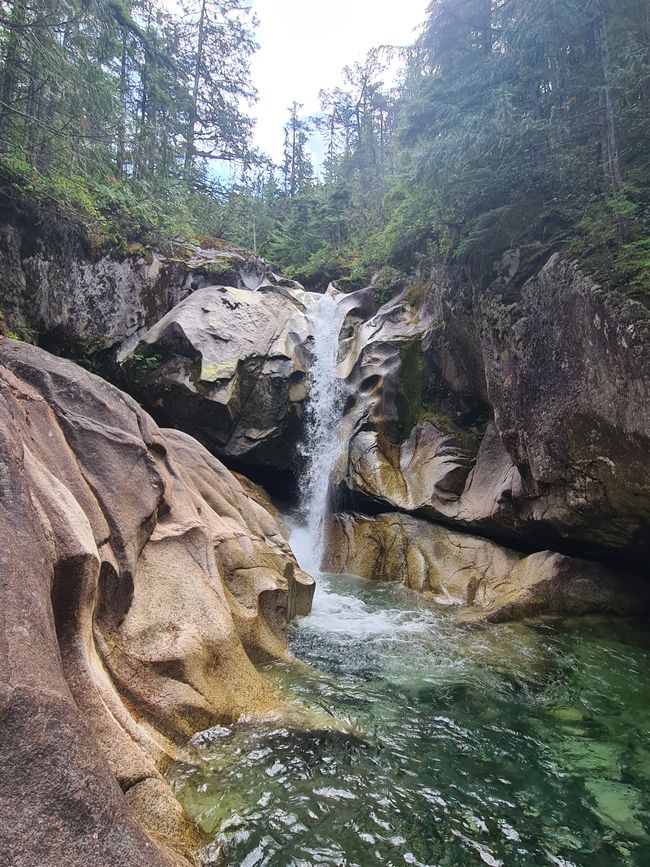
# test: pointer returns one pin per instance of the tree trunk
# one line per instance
(294, 124)
(120, 158)
(612, 165)
(191, 126)
(10, 74)
(611, 161)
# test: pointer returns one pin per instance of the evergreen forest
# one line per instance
(510, 123)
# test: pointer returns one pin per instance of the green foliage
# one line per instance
(18, 332)
(113, 111)
(145, 363)
(109, 213)
(388, 283)
(218, 269)
(478, 230)
(612, 241)
(321, 230)
(512, 108)
(513, 124)
(140, 367)
(328, 265)
(631, 269)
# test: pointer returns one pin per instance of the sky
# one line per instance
(304, 45)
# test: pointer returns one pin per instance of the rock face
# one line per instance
(484, 580)
(139, 583)
(395, 454)
(568, 372)
(522, 416)
(55, 287)
(230, 366)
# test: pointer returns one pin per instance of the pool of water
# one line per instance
(414, 741)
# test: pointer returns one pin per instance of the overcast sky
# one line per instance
(304, 45)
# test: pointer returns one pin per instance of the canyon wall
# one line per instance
(140, 584)
(522, 416)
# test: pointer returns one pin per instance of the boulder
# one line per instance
(483, 580)
(230, 367)
(139, 584)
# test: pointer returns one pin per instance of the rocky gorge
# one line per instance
(492, 451)
(467, 413)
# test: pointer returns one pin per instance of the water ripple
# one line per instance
(413, 741)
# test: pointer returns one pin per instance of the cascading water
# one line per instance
(321, 445)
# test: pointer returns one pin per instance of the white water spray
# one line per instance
(321, 447)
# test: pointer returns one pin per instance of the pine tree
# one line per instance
(220, 40)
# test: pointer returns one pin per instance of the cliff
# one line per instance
(522, 415)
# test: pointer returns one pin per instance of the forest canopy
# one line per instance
(512, 123)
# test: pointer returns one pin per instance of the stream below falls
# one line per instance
(414, 741)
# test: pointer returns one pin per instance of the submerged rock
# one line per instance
(230, 366)
(485, 580)
(139, 584)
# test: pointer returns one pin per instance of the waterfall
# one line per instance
(321, 445)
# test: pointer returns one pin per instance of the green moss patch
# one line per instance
(412, 401)
(416, 402)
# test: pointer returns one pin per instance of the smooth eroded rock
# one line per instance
(139, 583)
(230, 366)
(484, 580)
(524, 417)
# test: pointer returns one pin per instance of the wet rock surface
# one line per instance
(139, 583)
(485, 581)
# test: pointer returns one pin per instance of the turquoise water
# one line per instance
(413, 741)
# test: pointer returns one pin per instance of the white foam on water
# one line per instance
(336, 613)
